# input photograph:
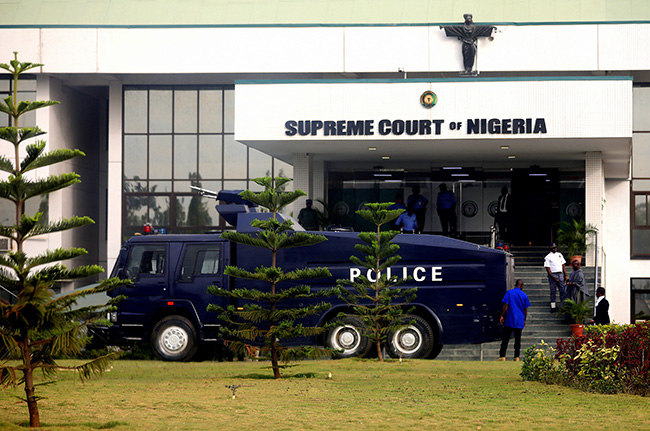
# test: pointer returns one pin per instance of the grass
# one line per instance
(362, 395)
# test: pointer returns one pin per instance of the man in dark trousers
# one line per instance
(446, 207)
(602, 308)
(419, 204)
(308, 217)
(513, 318)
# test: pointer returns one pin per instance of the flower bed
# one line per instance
(606, 359)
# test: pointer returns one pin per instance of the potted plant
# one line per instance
(572, 238)
(578, 311)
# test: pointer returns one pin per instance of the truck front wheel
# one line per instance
(174, 339)
(412, 341)
(347, 337)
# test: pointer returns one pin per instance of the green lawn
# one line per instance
(362, 394)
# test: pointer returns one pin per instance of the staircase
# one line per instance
(540, 325)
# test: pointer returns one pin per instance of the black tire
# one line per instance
(174, 339)
(348, 338)
(414, 341)
(436, 351)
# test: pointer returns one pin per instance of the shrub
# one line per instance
(540, 364)
(608, 359)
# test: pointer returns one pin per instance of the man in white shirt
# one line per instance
(554, 264)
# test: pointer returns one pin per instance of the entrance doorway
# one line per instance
(542, 198)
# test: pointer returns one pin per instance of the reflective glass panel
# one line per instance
(640, 210)
(135, 111)
(160, 186)
(135, 186)
(135, 157)
(160, 111)
(185, 160)
(229, 111)
(185, 115)
(159, 210)
(210, 111)
(259, 164)
(193, 211)
(234, 157)
(160, 156)
(641, 306)
(210, 149)
(285, 170)
(640, 241)
(136, 210)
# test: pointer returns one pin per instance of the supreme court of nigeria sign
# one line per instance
(447, 109)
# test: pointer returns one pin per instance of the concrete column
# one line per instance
(301, 180)
(318, 189)
(114, 216)
(594, 201)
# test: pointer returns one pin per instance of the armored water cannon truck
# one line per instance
(460, 287)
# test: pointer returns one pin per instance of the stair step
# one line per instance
(541, 323)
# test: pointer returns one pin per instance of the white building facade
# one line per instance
(559, 113)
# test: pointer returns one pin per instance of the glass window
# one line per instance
(160, 156)
(640, 225)
(135, 157)
(159, 210)
(200, 259)
(640, 299)
(135, 111)
(193, 211)
(185, 159)
(146, 260)
(640, 210)
(229, 114)
(185, 111)
(259, 164)
(175, 137)
(160, 112)
(234, 158)
(210, 111)
(210, 149)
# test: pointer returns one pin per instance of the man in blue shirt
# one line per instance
(513, 318)
(408, 221)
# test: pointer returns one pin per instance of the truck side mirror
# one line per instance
(123, 274)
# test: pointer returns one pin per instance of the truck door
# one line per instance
(147, 266)
(202, 266)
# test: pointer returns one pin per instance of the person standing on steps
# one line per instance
(308, 216)
(446, 207)
(419, 204)
(602, 308)
(554, 263)
(576, 287)
(513, 318)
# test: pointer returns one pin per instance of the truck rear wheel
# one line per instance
(413, 341)
(174, 339)
(347, 337)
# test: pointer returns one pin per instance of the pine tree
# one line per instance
(35, 325)
(380, 302)
(260, 330)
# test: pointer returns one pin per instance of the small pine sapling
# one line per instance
(265, 319)
(379, 302)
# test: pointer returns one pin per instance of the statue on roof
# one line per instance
(468, 33)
